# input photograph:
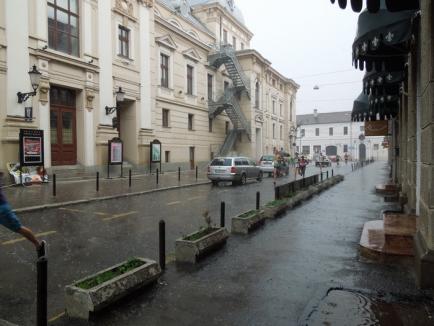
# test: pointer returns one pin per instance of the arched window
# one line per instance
(257, 95)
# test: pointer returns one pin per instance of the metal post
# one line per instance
(179, 174)
(197, 172)
(333, 173)
(327, 174)
(41, 296)
(162, 244)
(222, 214)
(276, 193)
(321, 176)
(157, 174)
(97, 181)
(54, 186)
(258, 200)
(129, 178)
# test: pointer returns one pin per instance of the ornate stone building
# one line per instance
(178, 71)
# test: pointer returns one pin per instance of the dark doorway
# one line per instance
(331, 151)
(362, 152)
(63, 133)
(192, 163)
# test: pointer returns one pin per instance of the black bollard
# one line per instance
(162, 244)
(179, 174)
(258, 200)
(327, 174)
(197, 172)
(41, 296)
(276, 193)
(54, 186)
(222, 214)
(129, 178)
(321, 176)
(157, 174)
(97, 181)
(333, 173)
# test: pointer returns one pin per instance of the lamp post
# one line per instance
(35, 78)
(120, 96)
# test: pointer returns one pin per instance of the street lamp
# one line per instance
(35, 78)
(120, 96)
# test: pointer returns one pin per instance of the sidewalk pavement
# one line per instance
(40, 196)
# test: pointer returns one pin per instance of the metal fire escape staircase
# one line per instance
(230, 100)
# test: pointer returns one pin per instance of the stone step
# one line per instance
(387, 189)
(402, 225)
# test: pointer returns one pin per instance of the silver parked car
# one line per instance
(266, 163)
(234, 169)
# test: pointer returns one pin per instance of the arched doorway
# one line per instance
(331, 151)
(362, 152)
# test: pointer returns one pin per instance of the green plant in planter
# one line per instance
(108, 275)
(204, 231)
(276, 203)
(249, 214)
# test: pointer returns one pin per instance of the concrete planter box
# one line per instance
(243, 225)
(81, 302)
(272, 212)
(190, 251)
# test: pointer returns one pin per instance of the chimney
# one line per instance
(315, 113)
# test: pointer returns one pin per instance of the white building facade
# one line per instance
(335, 134)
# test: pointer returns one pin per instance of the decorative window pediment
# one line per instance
(167, 41)
(125, 7)
(192, 54)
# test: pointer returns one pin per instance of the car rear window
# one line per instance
(267, 158)
(221, 162)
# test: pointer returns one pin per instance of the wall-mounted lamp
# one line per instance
(120, 96)
(35, 78)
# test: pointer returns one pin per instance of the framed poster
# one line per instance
(116, 151)
(31, 147)
(155, 151)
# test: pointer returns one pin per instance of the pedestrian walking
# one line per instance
(9, 220)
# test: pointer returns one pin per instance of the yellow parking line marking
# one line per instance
(71, 210)
(56, 317)
(101, 214)
(173, 203)
(195, 198)
(44, 234)
(119, 216)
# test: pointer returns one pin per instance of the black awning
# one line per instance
(375, 107)
(375, 5)
(382, 39)
(383, 82)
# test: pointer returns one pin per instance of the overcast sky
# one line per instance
(308, 37)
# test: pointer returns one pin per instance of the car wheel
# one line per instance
(215, 183)
(270, 175)
(243, 179)
(260, 176)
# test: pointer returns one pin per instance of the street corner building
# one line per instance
(180, 72)
(394, 44)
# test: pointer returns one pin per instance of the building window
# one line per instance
(167, 156)
(274, 107)
(190, 71)
(63, 30)
(330, 131)
(124, 42)
(345, 148)
(164, 70)
(281, 132)
(225, 85)
(376, 147)
(290, 110)
(242, 46)
(225, 36)
(316, 131)
(165, 118)
(281, 87)
(210, 125)
(302, 132)
(306, 150)
(257, 95)
(210, 84)
(274, 131)
(281, 109)
(227, 127)
(234, 42)
(190, 121)
(362, 128)
(273, 82)
(345, 131)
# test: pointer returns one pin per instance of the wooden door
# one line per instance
(63, 123)
(192, 163)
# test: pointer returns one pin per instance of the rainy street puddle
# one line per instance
(341, 307)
